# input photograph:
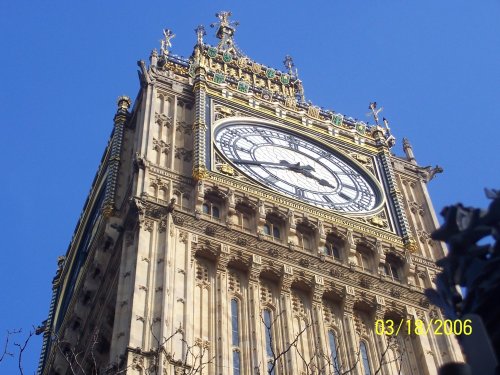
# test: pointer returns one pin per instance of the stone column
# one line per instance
(286, 321)
(257, 356)
(349, 329)
(199, 126)
(221, 338)
(321, 345)
(426, 356)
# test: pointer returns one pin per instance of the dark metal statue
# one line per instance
(469, 285)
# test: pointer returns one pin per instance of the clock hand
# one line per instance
(282, 163)
(321, 181)
(256, 162)
(296, 166)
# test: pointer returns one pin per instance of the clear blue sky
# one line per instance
(433, 65)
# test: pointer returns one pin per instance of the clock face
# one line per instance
(298, 167)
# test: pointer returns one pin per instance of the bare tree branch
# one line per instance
(22, 347)
(5, 352)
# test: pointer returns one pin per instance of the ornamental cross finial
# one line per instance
(200, 33)
(374, 111)
(165, 43)
(225, 30)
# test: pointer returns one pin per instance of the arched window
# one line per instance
(211, 209)
(235, 336)
(215, 212)
(333, 246)
(364, 257)
(365, 362)
(272, 228)
(276, 232)
(245, 217)
(392, 267)
(392, 271)
(266, 316)
(334, 355)
(306, 237)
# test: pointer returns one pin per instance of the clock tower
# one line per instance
(234, 228)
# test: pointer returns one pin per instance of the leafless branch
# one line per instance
(276, 357)
(22, 347)
(5, 352)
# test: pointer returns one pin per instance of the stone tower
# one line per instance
(234, 228)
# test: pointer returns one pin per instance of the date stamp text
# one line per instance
(390, 327)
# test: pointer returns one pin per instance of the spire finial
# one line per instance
(123, 103)
(225, 30)
(200, 33)
(374, 111)
(289, 65)
(165, 43)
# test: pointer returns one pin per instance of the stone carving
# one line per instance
(183, 127)
(234, 282)
(210, 230)
(184, 154)
(163, 120)
(304, 262)
(416, 207)
(161, 146)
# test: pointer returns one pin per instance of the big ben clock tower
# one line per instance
(233, 228)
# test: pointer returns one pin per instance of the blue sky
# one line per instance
(433, 66)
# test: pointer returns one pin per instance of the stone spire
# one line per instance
(409, 151)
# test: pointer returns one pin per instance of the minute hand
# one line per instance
(282, 163)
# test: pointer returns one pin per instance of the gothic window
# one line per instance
(332, 341)
(266, 316)
(365, 362)
(235, 336)
(364, 257)
(245, 217)
(212, 210)
(333, 246)
(273, 227)
(392, 267)
(392, 271)
(306, 237)
(181, 200)
(213, 205)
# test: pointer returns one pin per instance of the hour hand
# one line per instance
(321, 181)
(296, 167)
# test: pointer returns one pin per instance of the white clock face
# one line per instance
(297, 167)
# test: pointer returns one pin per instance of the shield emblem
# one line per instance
(285, 79)
(361, 127)
(192, 70)
(227, 57)
(219, 78)
(270, 73)
(212, 52)
(243, 86)
(337, 119)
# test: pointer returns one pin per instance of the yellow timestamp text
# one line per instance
(390, 327)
